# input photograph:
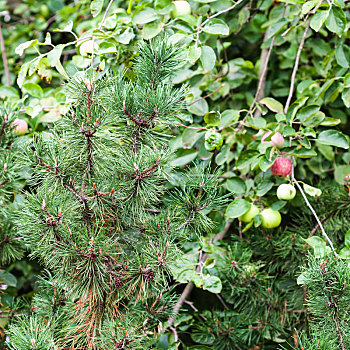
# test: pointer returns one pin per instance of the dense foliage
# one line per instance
(251, 67)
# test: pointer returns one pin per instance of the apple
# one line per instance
(44, 10)
(286, 192)
(20, 126)
(250, 214)
(281, 167)
(276, 140)
(87, 47)
(270, 218)
(182, 8)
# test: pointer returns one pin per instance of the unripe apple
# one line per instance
(44, 10)
(87, 47)
(286, 192)
(276, 140)
(20, 126)
(250, 214)
(281, 167)
(270, 218)
(182, 8)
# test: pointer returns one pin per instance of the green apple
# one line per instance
(250, 214)
(286, 192)
(20, 126)
(182, 8)
(270, 218)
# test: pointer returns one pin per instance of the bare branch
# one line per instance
(105, 15)
(199, 28)
(4, 58)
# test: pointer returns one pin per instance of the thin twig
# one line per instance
(199, 28)
(264, 61)
(4, 58)
(222, 301)
(295, 69)
(105, 15)
(315, 215)
(206, 96)
(297, 59)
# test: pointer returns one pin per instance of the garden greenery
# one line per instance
(251, 71)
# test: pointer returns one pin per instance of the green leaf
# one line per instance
(212, 284)
(209, 263)
(340, 56)
(277, 27)
(336, 21)
(212, 118)
(330, 122)
(236, 185)
(304, 153)
(199, 108)
(346, 97)
(272, 104)
(33, 89)
(347, 238)
(237, 208)
(213, 140)
(203, 338)
(340, 172)
(185, 157)
(308, 6)
(216, 27)
(228, 117)
(22, 74)
(20, 48)
(345, 253)
(265, 164)
(312, 191)
(145, 16)
(8, 91)
(126, 36)
(333, 138)
(8, 278)
(318, 19)
(306, 112)
(194, 53)
(208, 58)
(256, 122)
(150, 30)
(96, 7)
(264, 187)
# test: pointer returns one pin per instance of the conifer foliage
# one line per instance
(10, 245)
(102, 218)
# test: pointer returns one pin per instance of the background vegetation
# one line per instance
(252, 66)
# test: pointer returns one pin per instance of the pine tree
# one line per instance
(11, 247)
(102, 216)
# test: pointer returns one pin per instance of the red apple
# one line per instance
(20, 126)
(281, 167)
